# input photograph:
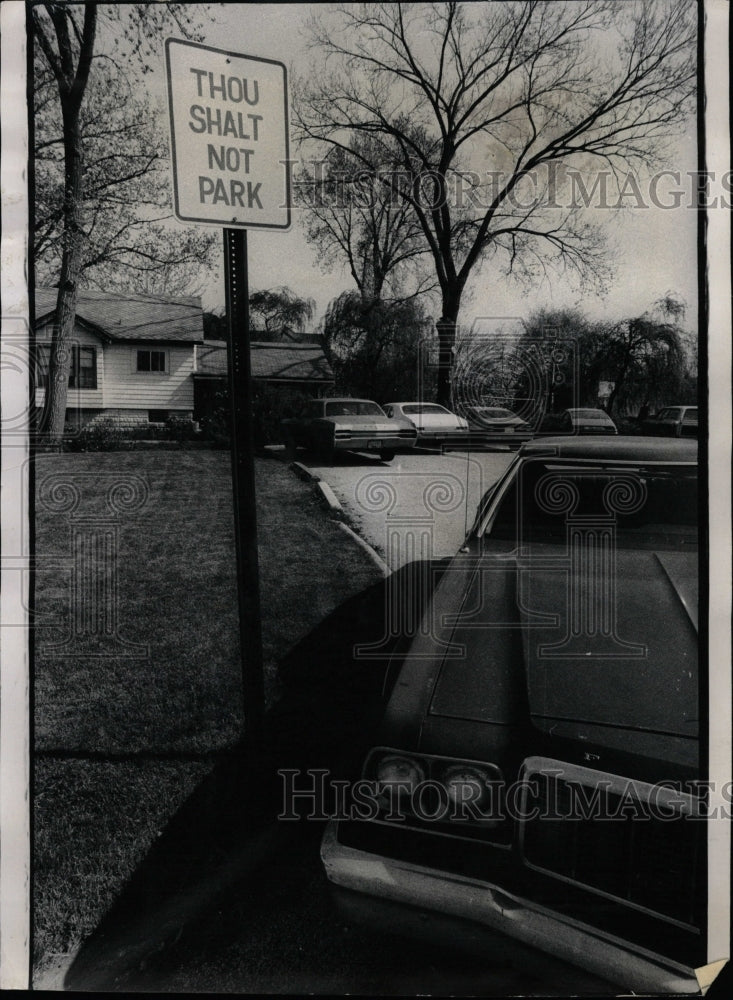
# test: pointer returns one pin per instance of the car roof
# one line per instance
(620, 449)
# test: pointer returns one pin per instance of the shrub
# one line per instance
(271, 405)
(145, 432)
(180, 429)
(102, 435)
(215, 427)
(627, 425)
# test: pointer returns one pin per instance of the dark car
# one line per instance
(584, 420)
(534, 774)
(672, 421)
(344, 424)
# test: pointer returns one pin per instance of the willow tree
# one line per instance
(495, 110)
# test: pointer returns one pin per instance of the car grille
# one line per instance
(496, 865)
(652, 863)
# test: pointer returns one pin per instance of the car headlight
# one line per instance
(400, 774)
(466, 784)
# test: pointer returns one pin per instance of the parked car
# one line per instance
(672, 421)
(533, 775)
(434, 424)
(586, 421)
(328, 426)
(497, 424)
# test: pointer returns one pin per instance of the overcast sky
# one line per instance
(655, 249)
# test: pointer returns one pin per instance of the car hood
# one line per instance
(498, 645)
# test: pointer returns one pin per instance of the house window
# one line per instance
(151, 361)
(83, 369)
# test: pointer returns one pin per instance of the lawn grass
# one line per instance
(96, 815)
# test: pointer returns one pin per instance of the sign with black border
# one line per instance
(228, 116)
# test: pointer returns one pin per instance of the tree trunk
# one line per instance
(447, 326)
(618, 384)
(72, 86)
(73, 237)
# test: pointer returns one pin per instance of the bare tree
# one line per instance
(488, 105)
(68, 38)
(125, 206)
(352, 218)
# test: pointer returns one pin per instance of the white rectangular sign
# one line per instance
(229, 137)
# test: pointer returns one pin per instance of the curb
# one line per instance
(376, 559)
(334, 505)
(304, 473)
(330, 497)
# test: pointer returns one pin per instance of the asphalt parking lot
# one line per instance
(418, 506)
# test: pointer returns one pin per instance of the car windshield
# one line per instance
(353, 408)
(423, 408)
(648, 506)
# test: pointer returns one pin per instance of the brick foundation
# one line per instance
(124, 419)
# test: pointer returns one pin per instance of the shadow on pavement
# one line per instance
(224, 843)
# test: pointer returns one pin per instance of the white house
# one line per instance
(133, 356)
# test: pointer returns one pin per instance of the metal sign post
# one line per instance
(243, 482)
(230, 168)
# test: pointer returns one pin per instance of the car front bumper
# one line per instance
(454, 901)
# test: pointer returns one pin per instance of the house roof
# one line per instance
(211, 358)
(131, 317)
(270, 361)
(300, 362)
